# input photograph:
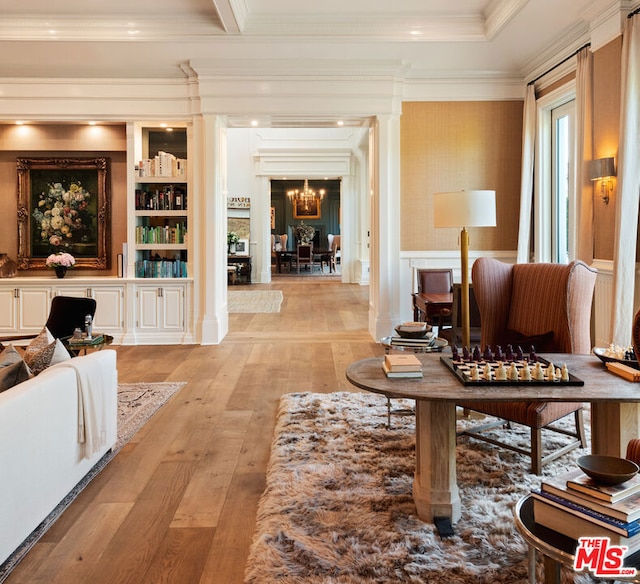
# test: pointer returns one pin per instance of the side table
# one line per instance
(557, 549)
(76, 348)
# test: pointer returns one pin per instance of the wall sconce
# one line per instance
(603, 169)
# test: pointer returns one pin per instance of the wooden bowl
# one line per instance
(607, 470)
(415, 330)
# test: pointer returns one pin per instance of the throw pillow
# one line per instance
(9, 356)
(13, 374)
(44, 351)
(543, 343)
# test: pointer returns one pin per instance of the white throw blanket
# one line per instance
(92, 408)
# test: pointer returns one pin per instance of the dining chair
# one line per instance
(305, 255)
(433, 281)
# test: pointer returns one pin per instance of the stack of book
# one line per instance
(575, 505)
(402, 365)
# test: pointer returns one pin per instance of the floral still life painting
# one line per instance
(63, 206)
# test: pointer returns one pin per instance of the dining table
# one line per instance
(284, 256)
(614, 401)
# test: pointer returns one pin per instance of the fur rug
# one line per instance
(137, 402)
(338, 506)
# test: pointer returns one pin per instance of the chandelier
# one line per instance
(306, 196)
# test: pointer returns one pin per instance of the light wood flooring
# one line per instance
(178, 503)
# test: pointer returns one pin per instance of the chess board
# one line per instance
(462, 369)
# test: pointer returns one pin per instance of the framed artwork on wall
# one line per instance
(64, 206)
(306, 208)
(242, 247)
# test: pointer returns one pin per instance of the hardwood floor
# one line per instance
(178, 503)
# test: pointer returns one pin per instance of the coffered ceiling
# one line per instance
(156, 38)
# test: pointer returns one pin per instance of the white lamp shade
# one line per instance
(465, 209)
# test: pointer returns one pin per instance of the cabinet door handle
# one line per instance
(160, 292)
(16, 292)
(88, 292)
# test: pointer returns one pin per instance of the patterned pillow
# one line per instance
(44, 351)
(13, 374)
(9, 356)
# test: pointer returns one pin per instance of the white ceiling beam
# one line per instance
(232, 14)
(499, 13)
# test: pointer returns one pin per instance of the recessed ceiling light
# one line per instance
(169, 129)
(19, 123)
(254, 122)
(92, 123)
(340, 123)
(163, 125)
(415, 33)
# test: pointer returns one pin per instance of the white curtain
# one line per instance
(526, 181)
(624, 258)
(583, 249)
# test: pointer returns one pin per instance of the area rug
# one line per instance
(137, 402)
(338, 505)
(254, 301)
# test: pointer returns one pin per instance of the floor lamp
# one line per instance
(465, 209)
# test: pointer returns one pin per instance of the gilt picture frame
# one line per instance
(64, 206)
(306, 209)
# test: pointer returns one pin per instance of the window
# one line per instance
(554, 208)
(562, 162)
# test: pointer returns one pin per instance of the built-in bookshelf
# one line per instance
(160, 239)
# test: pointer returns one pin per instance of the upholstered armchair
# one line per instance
(544, 305)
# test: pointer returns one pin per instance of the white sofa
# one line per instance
(42, 457)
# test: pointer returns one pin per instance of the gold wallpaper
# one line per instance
(452, 146)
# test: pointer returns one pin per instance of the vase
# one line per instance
(8, 267)
(61, 271)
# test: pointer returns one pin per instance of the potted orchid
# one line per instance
(60, 262)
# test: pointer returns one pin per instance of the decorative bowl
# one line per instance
(413, 330)
(607, 470)
(601, 354)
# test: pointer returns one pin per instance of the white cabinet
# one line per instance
(160, 315)
(110, 304)
(8, 311)
(24, 310)
(133, 311)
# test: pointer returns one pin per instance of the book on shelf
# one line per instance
(405, 362)
(576, 527)
(627, 509)
(610, 493)
(626, 528)
(408, 374)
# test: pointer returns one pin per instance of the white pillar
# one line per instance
(210, 218)
(384, 303)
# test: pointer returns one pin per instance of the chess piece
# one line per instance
(564, 373)
(509, 353)
(538, 373)
(498, 353)
(533, 358)
(519, 354)
(475, 374)
(501, 372)
(476, 354)
(525, 374)
(513, 372)
(487, 356)
(488, 372)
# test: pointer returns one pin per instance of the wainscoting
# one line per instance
(603, 294)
